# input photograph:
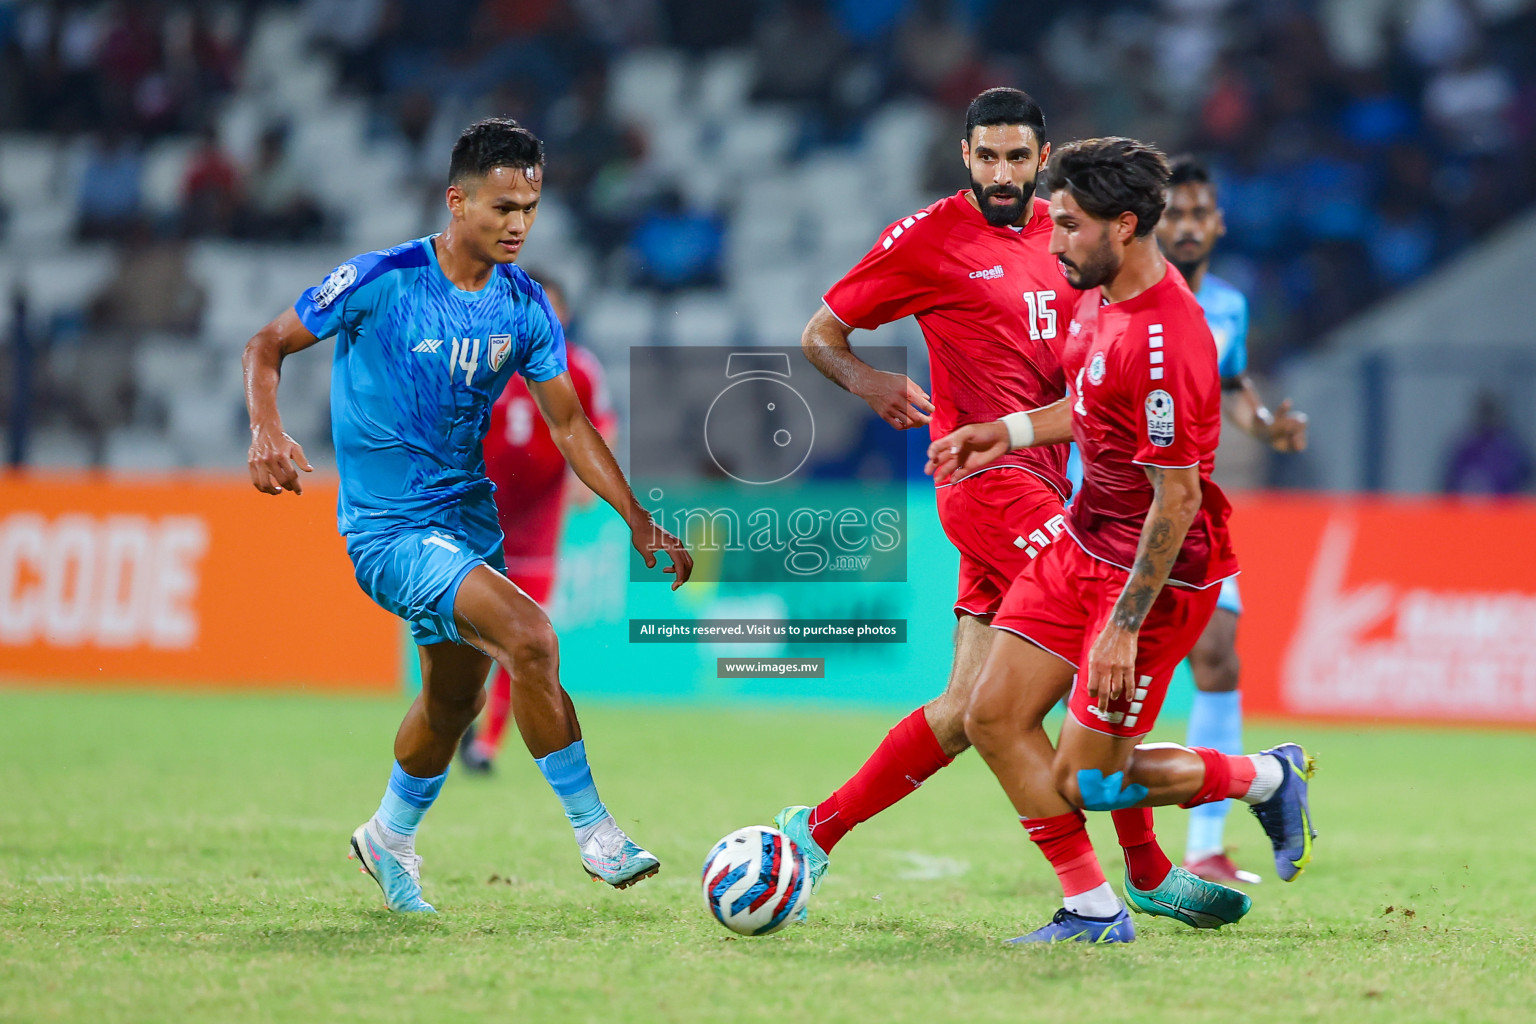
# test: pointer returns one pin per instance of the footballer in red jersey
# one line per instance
(1113, 612)
(533, 485)
(993, 304)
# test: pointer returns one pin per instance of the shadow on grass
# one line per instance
(376, 931)
(369, 932)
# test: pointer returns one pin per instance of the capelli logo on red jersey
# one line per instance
(989, 274)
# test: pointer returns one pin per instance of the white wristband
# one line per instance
(1021, 431)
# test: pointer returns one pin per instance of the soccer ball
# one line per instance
(756, 880)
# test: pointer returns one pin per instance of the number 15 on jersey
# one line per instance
(1042, 318)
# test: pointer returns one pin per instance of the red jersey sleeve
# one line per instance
(591, 388)
(896, 278)
(1171, 375)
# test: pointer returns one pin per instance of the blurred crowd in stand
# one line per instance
(1358, 143)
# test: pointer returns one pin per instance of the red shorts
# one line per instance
(1061, 604)
(1000, 519)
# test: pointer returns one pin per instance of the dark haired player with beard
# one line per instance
(428, 334)
(1111, 612)
(1187, 233)
(992, 303)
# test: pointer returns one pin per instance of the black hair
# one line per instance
(1110, 176)
(1188, 169)
(494, 142)
(1002, 105)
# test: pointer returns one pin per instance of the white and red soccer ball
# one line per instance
(756, 880)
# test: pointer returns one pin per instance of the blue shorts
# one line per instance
(415, 573)
(1230, 599)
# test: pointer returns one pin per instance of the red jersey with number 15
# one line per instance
(993, 306)
(1147, 394)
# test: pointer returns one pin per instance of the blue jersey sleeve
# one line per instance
(1235, 360)
(320, 308)
(544, 347)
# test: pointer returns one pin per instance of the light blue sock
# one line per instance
(1215, 721)
(406, 799)
(570, 777)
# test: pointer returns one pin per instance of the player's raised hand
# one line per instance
(272, 459)
(897, 399)
(649, 538)
(1288, 430)
(966, 450)
(1112, 664)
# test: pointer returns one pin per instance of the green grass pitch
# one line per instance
(182, 858)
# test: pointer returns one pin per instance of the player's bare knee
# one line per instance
(1227, 672)
(533, 650)
(985, 716)
(1065, 777)
(452, 712)
(1216, 668)
(520, 638)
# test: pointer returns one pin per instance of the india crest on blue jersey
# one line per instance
(418, 364)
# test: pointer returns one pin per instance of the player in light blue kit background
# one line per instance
(1187, 232)
(427, 335)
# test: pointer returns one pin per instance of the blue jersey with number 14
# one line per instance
(419, 362)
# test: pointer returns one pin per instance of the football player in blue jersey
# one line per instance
(1187, 232)
(427, 335)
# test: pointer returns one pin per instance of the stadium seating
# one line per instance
(800, 201)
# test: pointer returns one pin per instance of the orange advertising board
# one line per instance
(1402, 609)
(1389, 609)
(185, 580)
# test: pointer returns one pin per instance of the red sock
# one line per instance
(908, 755)
(1064, 841)
(497, 707)
(1227, 776)
(1145, 861)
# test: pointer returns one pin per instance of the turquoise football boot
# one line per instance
(1189, 899)
(610, 856)
(795, 822)
(398, 874)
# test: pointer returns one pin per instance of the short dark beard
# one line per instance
(1099, 268)
(1001, 217)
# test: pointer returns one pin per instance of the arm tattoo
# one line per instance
(1161, 538)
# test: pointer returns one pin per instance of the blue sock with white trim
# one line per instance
(569, 775)
(1215, 721)
(406, 800)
